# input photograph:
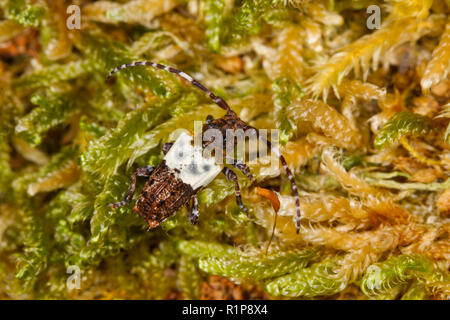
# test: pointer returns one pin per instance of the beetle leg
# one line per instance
(166, 147)
(231, 175)
(193, 214)
(140, 172)
(243, 167)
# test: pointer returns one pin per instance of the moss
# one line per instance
(24, 12)
(383, 278)
(285, 93)
(54, 73)
(402, 124)
(316, 280)
(213, 13)
(256, 267)
(367, 146)
(52, 109)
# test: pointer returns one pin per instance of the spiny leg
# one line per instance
(193, 213)
(140, 172)
(231, 175)
(218, 100)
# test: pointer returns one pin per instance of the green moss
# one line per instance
(98, 158)
(108, 54)
(188, 279)
(402, 124)
(22, 185)
(317, 280)
(23, 12)
(416, 291)
(52, 109)
(248, 19)
(257, 267)
(285, 93)
(55, 73)
(33, 261)
(70, 141)
(200, 248)
(385, 277)
(213, 13)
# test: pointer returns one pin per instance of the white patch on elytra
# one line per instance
(189, 163)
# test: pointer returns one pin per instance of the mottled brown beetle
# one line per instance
(177, 180)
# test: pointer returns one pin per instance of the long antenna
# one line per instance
(218, 100)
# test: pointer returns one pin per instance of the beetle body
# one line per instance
(185, 170)
(182, 173)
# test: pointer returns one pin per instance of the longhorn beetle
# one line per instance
(177, 179)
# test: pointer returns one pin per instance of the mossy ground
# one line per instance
(364, 124)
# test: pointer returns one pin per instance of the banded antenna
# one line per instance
(217, 100)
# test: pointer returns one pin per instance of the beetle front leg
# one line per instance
(140, 172)
(193, 213)
(231, 175)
